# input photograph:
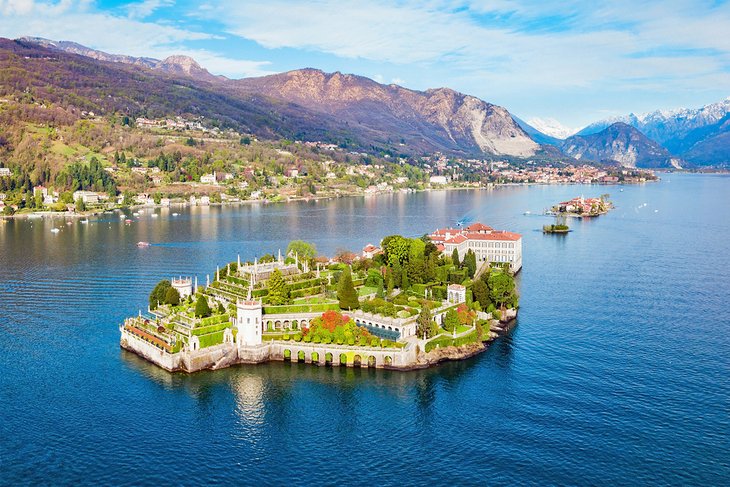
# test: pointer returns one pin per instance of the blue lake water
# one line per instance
(617, 373)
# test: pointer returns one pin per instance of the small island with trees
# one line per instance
(403, 305)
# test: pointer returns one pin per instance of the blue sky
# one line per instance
(574, 61)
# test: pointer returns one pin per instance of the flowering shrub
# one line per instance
(338, 328)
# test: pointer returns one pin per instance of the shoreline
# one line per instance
(186, 204)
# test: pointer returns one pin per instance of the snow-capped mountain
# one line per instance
(551, 127)
(667, 126)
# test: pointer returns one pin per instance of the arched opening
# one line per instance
(343, 359)
(388, 360)
(287, 354)
(328, 358)
(269, 326)
(357, 361)
(300, 356)
(295, 324)
(371, 361)
(286, 324)
(315, 357)
(304, 324)
(277, 325)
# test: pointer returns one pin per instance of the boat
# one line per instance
(528, 212)
(84, 222)
(143, 244)
(55, 230)
(175, 214)
(127, 221)
(155, 215)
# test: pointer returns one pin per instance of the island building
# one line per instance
(489, 245)
(183, 286)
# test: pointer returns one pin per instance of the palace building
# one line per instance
(488, 244)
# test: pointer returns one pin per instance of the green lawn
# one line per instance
(366, 290)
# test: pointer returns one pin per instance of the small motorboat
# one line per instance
(127, 221)
(143, 244)
(175, 214)
(84, 222)
(55, 230)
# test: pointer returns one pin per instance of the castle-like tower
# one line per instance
(248, 322)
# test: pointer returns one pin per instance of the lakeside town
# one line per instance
(404, 304)
(177, 161)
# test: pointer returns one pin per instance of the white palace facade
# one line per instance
(488, 245)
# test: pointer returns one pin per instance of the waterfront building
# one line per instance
(488, 245)
(88, 197)
(249, 322)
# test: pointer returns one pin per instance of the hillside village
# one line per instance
(166, 161)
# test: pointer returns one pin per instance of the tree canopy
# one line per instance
(278, 291)
(305, 250)
(159, 293)
(202, 309)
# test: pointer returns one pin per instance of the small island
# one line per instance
(560, 226)
(583, 207)
(406, 304)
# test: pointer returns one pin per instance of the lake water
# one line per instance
(617, 373)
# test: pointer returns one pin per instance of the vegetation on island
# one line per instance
(406, 281)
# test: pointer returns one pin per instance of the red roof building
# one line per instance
(488, 245)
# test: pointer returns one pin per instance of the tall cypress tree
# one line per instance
(455, 258)
(346, 293)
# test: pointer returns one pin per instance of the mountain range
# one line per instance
(350, 110)
(700, 136)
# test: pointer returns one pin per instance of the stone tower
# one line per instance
(248, 323)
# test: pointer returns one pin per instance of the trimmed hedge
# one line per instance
(211, 339)
(446, 341)
(203, 330)
(301, 308)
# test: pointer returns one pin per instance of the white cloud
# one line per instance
(142, 10)
(503, 41)
(69, 20)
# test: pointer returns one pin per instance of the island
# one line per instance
(583, 207)
(405, 304)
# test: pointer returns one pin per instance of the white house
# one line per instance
(208, 179)
(488, 245)
(88, 197)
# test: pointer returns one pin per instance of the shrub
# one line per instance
(298, 337)
(287, 337)
(307, 338)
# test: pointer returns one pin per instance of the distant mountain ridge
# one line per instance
(357, 112)
(620, 143)
(698, 135)
(374, 114)
(177, 64)
(439, 117)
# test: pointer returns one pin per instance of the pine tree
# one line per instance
(346, 293)
(455, 258)
(278, 292)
